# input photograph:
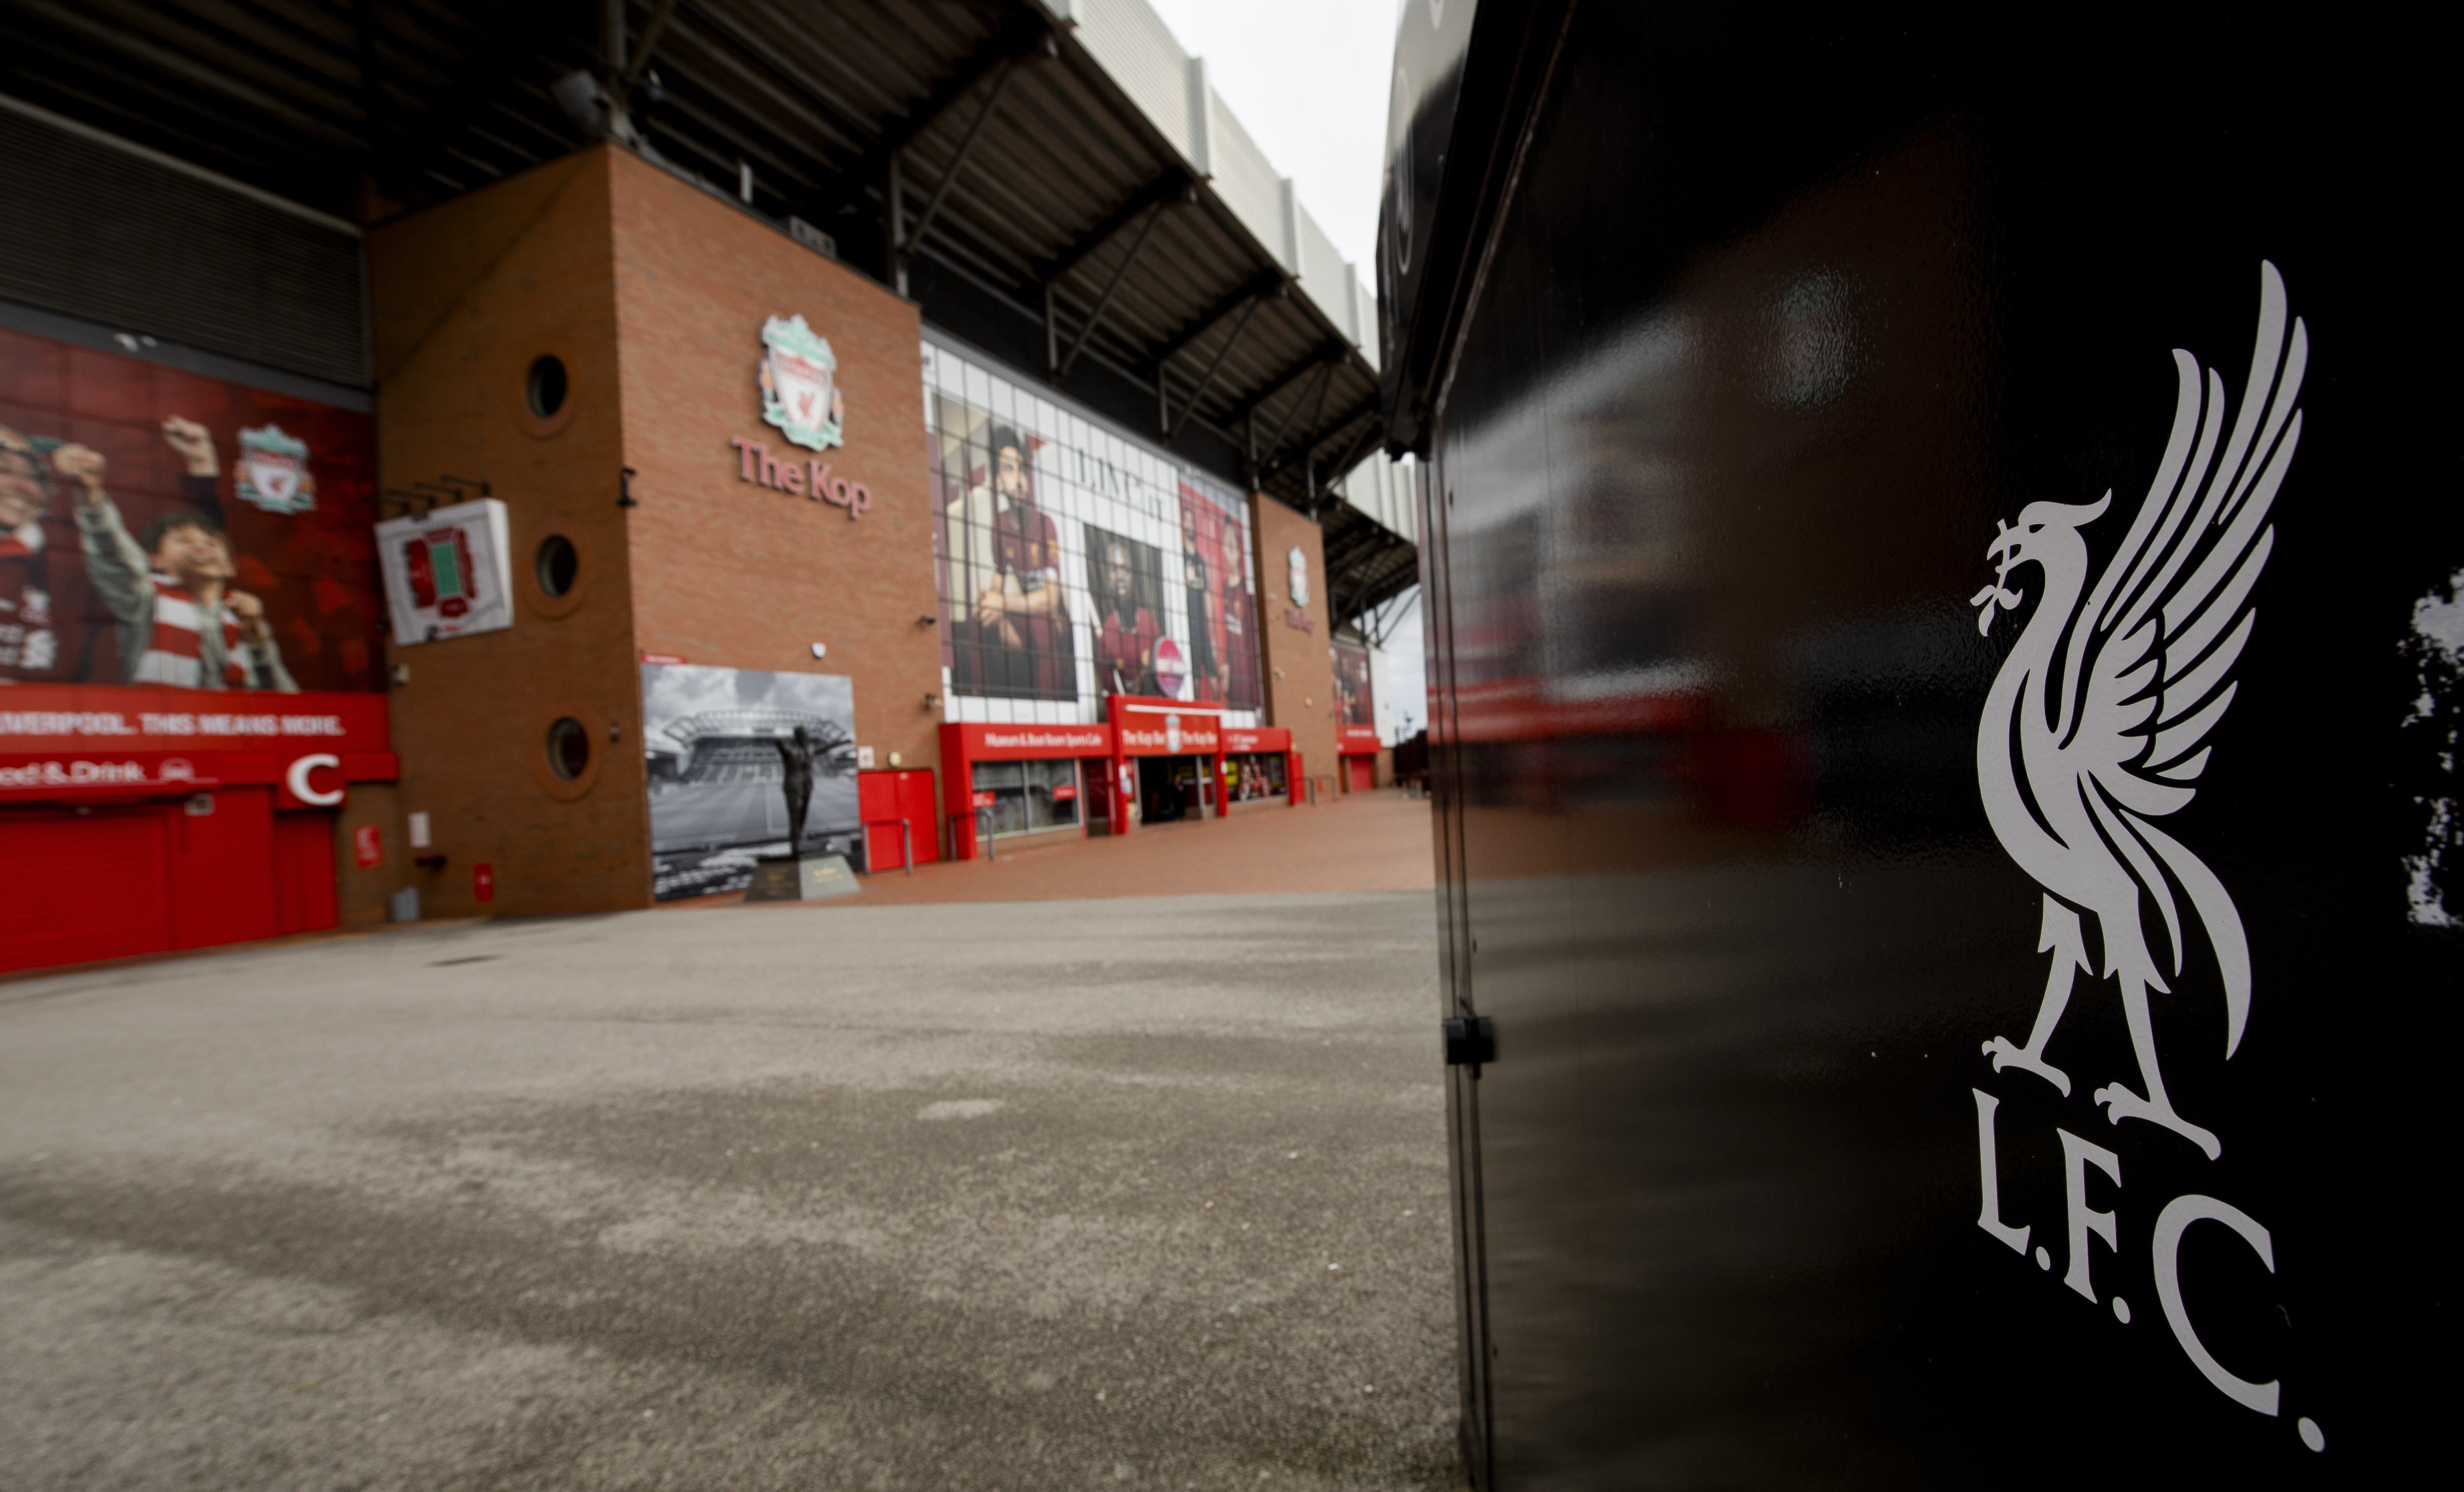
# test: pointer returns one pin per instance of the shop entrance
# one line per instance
(1168, 789)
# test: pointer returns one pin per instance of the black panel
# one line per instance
(1788, 314)
(106, 234)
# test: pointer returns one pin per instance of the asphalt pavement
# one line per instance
(998, 1196)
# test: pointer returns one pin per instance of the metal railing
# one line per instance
(906, 840)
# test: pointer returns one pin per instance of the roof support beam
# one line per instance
(1358, 452)
(1163, 188)
(1267, 284)
(421, 143)
(1325, 352)
(1104, 302)
(1207, 381)
(1283, 461)
(1007, 46)
(903, 240)
(631, 68)
(1006, 298)
(1352, 453)
(873, 168)
(1325, 376)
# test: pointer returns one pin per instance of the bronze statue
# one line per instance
(796, 757)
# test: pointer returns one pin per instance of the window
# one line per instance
(558, 565)
(1029, 795)
(544, 389)
(568, 748)
(1256, 776)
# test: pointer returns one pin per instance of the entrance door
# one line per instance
(1168, 789)
(305, 896)
(1360, 774)
(889, 798)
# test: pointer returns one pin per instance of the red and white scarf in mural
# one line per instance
(175, 654)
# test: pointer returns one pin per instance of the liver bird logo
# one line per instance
(2097, 724)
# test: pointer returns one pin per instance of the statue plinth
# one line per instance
(801, 878)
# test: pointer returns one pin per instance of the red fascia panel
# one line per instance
(84, 777)
(1148, 727)
(1025, 743)
(1253, 740)
(124, 718)
(963, 745)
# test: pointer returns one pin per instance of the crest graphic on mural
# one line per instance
(1171, 670)
(800, 389)
(2099, 721)
(274, 470)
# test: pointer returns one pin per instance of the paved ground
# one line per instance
(1368, 841)
(1007, 1195)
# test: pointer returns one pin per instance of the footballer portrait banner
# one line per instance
(161, 528)
(1075, 563)
(1355, 703)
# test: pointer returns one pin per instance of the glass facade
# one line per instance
(1075, 562)
(1030, 795)
(1255, 777)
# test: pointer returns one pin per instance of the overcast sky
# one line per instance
(1308, 79)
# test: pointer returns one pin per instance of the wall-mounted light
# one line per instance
(820, 650)
(931, 701)
(625, 489)
(928, 621)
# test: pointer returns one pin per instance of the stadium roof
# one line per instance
(1053, 180)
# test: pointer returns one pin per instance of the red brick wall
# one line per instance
(732, 573)
(654, 293)
(1300, 677)
(463, 297)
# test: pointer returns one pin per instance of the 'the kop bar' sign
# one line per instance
(1150, 732)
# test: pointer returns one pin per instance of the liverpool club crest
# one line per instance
(800, 391)
(2101, 723)
(274, 470)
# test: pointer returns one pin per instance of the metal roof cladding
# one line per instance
(1052, 181)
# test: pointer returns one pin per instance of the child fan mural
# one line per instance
(161, 528)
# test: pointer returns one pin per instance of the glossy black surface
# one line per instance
(1786, 314)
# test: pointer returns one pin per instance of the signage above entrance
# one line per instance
(1166, 730)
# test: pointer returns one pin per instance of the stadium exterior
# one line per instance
(521, 410)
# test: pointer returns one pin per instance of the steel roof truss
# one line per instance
(904, 239)
(1104, 302)
(1207, 382)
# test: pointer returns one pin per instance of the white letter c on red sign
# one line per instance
(297, 779)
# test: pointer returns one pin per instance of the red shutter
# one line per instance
(74, 888)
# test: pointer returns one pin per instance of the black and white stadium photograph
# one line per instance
(719, 741)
